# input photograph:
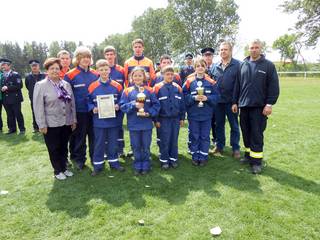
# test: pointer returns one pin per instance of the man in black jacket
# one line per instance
(31, 79)
(256, 91)
(12, 97)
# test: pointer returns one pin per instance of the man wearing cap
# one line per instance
(226, 73)
(207, 54)
(31, 79)
(12, 97)
(187, 69)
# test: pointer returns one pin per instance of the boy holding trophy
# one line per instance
(141, 105)
(200, 95)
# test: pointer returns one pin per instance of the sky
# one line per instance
(92, 21)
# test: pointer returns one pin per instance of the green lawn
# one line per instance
(282, 203)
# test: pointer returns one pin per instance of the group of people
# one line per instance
(67, 106)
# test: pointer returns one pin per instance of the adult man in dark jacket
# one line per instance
(226, 73)
(31, 79)
(255, 93)
(12, 97)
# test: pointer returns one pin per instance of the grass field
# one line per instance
(282, 203)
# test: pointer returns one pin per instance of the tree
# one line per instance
(286, 44)
(308, 23)
(151, 26)
(195, 24)
(54, 48)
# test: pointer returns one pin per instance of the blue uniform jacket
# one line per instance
(159, 78)
(80, 80)
(171, 99)
(210, 90)
(226, 79)
(185, 71)
(257, 85)
(128, 101)
(99, 88)
(117, 74)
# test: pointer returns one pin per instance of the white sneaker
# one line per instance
(68, 173)
(60, 176)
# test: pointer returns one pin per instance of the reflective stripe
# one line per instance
(147, 100)
(177, 97)
(247, 149)
(191, 152)
(194, 92)
(207, 91)
(256, 154)
(94, 100)
(162, 98)
(120, 139)
(173, 159)
(98, 163)
(203, 153)
(163, 160)
(158, 139)
(113, 160)
(79, 85)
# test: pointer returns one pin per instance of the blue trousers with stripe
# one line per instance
(200, 139)
(168, 133)
(140, 142)
(101, 136)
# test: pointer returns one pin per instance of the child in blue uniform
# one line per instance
(141, 105)
(170, 118)
(200, 97)
(105, 129)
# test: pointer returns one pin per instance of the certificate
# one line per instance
(106, 106)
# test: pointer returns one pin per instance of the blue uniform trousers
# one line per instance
(101, 136)
(200, 139)
(168, 133)
(78, 145)
(140, 143)
(223, 110)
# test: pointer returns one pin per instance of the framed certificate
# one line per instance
(105, 104)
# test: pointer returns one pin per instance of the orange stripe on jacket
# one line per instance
(93, 86)
(157, 87)
(116, 85)
(73, 73)
(128, 90)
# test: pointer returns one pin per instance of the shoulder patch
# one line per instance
(93, 86)
(73, 73)
(116, 85)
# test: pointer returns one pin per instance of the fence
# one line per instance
(305, 74)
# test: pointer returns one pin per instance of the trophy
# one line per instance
(200, 92)
(141, 98)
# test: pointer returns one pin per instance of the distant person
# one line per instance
(207, 54)
(165, 60)
(116, 74)
(106, 130)
(187, 69)
(31, 79)
(226, 73)
(171, 117)
(80, 79)
(138, 59)
(200, 96)
(65, 58)
(1, 103)
(12, 97)
(55, 113)
(141, 106)
(256, 91)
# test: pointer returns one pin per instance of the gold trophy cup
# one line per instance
(200, 92)
(141, 98)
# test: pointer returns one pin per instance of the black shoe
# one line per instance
(244, 160)
(10, 132)
(119, 169)
(203, 163)
(81, 167)
(195, 162)
(130, 154)
(165, 166)
(174, 165)
(256, 169)
(121, 155)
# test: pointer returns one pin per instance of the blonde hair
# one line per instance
(199, 61)
(80, 53)
(63, 52)
(137, 69)
(167, 69)
(102, 63)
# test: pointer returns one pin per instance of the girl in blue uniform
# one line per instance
(200, 96)
(141, 105)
